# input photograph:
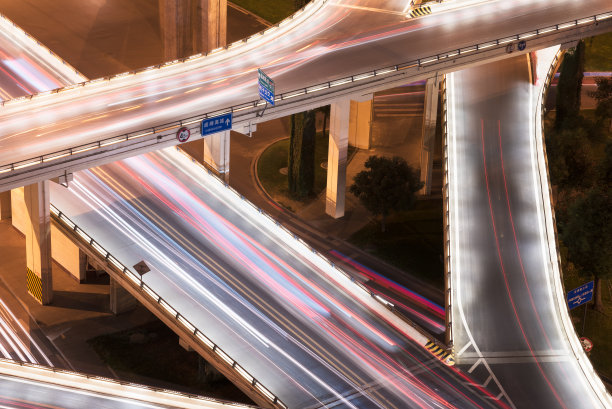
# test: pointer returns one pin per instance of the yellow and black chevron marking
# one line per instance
(34, 284)
(420, 11)
(440, 353)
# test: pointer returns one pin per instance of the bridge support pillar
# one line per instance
(336, 158)
(120, 299)
(5, 205)
(192, 26)
(360, 124)
(38, 242)
(428, 138)
(217, 153)
(68, 255)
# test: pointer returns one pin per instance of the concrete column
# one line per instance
(217, 153)
(192, 26)
(360, 124)
(120, 299)
(5, 205)
(67, 254)
(38, 242)
(428, 139)
(336, 157)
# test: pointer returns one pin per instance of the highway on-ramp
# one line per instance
(510, 325)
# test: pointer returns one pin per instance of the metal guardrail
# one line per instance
(136, 279)
(159, 129)
(448, 304)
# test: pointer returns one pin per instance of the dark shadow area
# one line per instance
(81, 301)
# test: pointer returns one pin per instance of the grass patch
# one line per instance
(275, 157)
(598, 57)
(412, 242)
(270, 10)
(153, 351)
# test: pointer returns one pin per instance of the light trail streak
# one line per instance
(385, 282)
(341, 327)
(505, 276)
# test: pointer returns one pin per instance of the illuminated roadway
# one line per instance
(285, 321)
(288, 317)
(369, 361)
(23, 70)
(340, 38)
(507, 321)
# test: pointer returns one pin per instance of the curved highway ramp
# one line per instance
(511, 328)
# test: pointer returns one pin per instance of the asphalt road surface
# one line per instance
(506, 320)
(342, 38)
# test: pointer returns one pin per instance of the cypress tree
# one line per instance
(569, 87)
(300, 170)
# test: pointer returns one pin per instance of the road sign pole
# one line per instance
(584, 319)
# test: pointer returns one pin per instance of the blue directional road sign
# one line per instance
(266, 87)
(580, 295)
(216, 124)
(521, 45)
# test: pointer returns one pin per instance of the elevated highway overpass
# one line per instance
(315, 57)
(510, 322)
(341, 85)
(329, 363)
(28, 66)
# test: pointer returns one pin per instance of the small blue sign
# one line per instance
(521, 45)
(216, 124)
(580, 295)
(266, 87)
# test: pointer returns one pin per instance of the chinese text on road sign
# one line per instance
(266, 87)
(580, 295)
(216, 124)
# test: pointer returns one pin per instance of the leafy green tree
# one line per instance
(301, 154)
(387, 184)
(570, 156)
(603, 95)
(587, 233)
(569, 87)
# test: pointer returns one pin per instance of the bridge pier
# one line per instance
(360, 124)
(192, 26)
(336, 157)
(217, 153)
(120, 299)
(428, 138)
(38, 241)
(5, 205)
(349, 122)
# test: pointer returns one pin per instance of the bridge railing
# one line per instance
(167, 129)
(148, 292)
(448, 303)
